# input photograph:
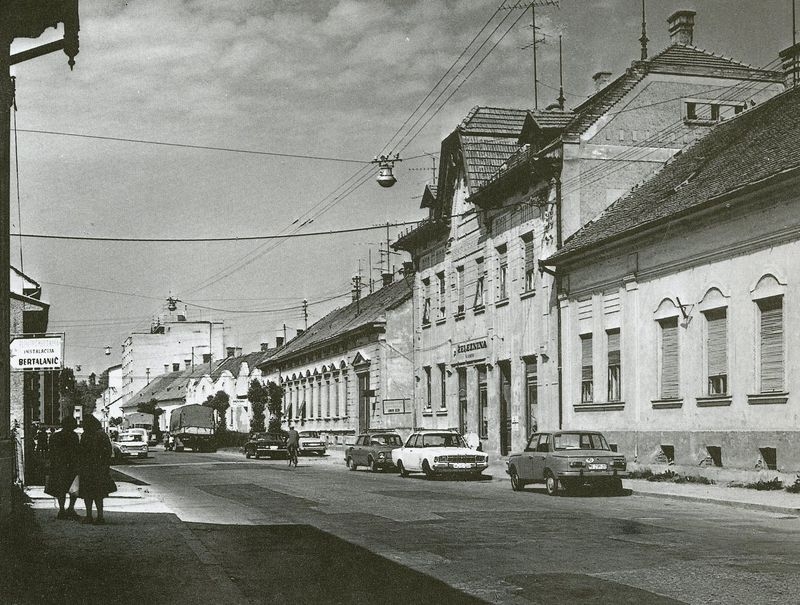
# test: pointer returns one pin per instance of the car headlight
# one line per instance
(381, 455)
(576, 464)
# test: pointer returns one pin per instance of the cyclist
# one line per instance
(292, 445)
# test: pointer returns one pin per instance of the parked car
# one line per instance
(436, 453)
(567, 460)
(130, 443)
(373, 450)
(270, 445)
(311, 443)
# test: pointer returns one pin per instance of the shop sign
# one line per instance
(471, 350)
(37, 354)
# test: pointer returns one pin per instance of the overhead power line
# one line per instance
(245, 238)
(190, 146)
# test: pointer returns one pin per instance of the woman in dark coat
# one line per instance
(63, 467)
(95, 476)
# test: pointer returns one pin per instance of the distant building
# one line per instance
(352, 370)
(172, 344)
(680, 330)
(513, 185)
(109, 404)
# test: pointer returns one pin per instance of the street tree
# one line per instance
(258, 397)
(275, 406)
(220, 403)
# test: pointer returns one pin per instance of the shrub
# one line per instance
(794, 488)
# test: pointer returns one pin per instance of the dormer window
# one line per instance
(704, 112)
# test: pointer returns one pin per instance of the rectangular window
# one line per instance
(483, 404)
(502, 272)
(669, 358)
(771, 344)
(717, 351)
(530, 265)
(480, 296)
(427, 370)
(587, 371)
(442, 296)
(531, 395)
(442, 387)
(614, 390)
(426, 301)
(460, 289)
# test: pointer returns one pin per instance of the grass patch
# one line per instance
(669, 476)
(760, 485)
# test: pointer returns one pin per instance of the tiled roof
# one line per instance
(483, 157)
(165, 387)
(234, 364)
(428, 197)
(493, 121)
(757, 144)
(369, 310)
(553, 118)
(677, 58)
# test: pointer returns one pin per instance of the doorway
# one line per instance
(462, 400)
(505, 406)
(364, 397)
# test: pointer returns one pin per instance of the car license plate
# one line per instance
(598, 467)
(460, 465)
(272, 447)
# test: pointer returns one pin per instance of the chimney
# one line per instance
(300, 331)
(230, 351)
(265, 347)
(187, 364)
(166, 368)
(601, 80)
(681, 27)
(279, 341)
(388, 278)
(790, 59)
(238, 351)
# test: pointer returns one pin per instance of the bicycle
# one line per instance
(292, 450)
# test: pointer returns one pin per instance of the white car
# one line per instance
(436, 453)
(130, 443)
(312, 443)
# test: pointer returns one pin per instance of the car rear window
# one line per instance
(442, 440)
(580, 441)
(386, 440)
(131, 437)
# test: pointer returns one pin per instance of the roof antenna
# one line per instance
(561, 98)
(644, 39)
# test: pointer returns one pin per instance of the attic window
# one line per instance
(704, 112)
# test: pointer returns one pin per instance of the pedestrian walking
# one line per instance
(63, 467)
(293, 445)
(95, 481)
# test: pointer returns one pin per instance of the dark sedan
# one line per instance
(373, 450)
(269, 445)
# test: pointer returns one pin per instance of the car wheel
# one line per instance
(247, 454)
(551, 484)
(516, 483)
(615, 486)
(351, 464)
(401, 469)
(373, 465)
(426, 468)
(257, 455)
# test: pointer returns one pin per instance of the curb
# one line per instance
(729, 503)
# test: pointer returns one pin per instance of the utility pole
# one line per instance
(644, 39)
(305, 314)
(19, 20)
(534, 41)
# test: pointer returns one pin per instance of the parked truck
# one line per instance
(192, 426)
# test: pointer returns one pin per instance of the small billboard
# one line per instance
(38, 353)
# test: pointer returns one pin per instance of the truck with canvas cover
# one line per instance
(192, 426)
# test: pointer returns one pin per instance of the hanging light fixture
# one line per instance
(385, 163)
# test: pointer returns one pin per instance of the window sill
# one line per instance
(479, 310)
(426, 326)
(611, 406)
(667, 404)
(527, 294)
(441, 412)
(700, 122)
(440, 321)
(427, 412)
(459, 316)
(501, 303)
(767, 398)
(709, 401)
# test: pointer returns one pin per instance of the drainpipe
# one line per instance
(558, 310)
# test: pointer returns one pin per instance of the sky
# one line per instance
(338, 80)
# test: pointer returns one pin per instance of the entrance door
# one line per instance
(505, 407)
(462, 400)
(364, 396)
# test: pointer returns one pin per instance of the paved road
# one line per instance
(484, 539)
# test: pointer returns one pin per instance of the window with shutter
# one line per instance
(587, 376)
(426, 301)
(479, 301)
(771, 344)
(530, 265)
(442, 296)
(614, 367)
(502, 273)
(427, 370)
(717, 351)
(460, 289)
(669, 358)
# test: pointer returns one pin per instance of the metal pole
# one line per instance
(535, 84)
(6, 99)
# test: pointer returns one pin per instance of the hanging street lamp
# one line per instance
(385, 164)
